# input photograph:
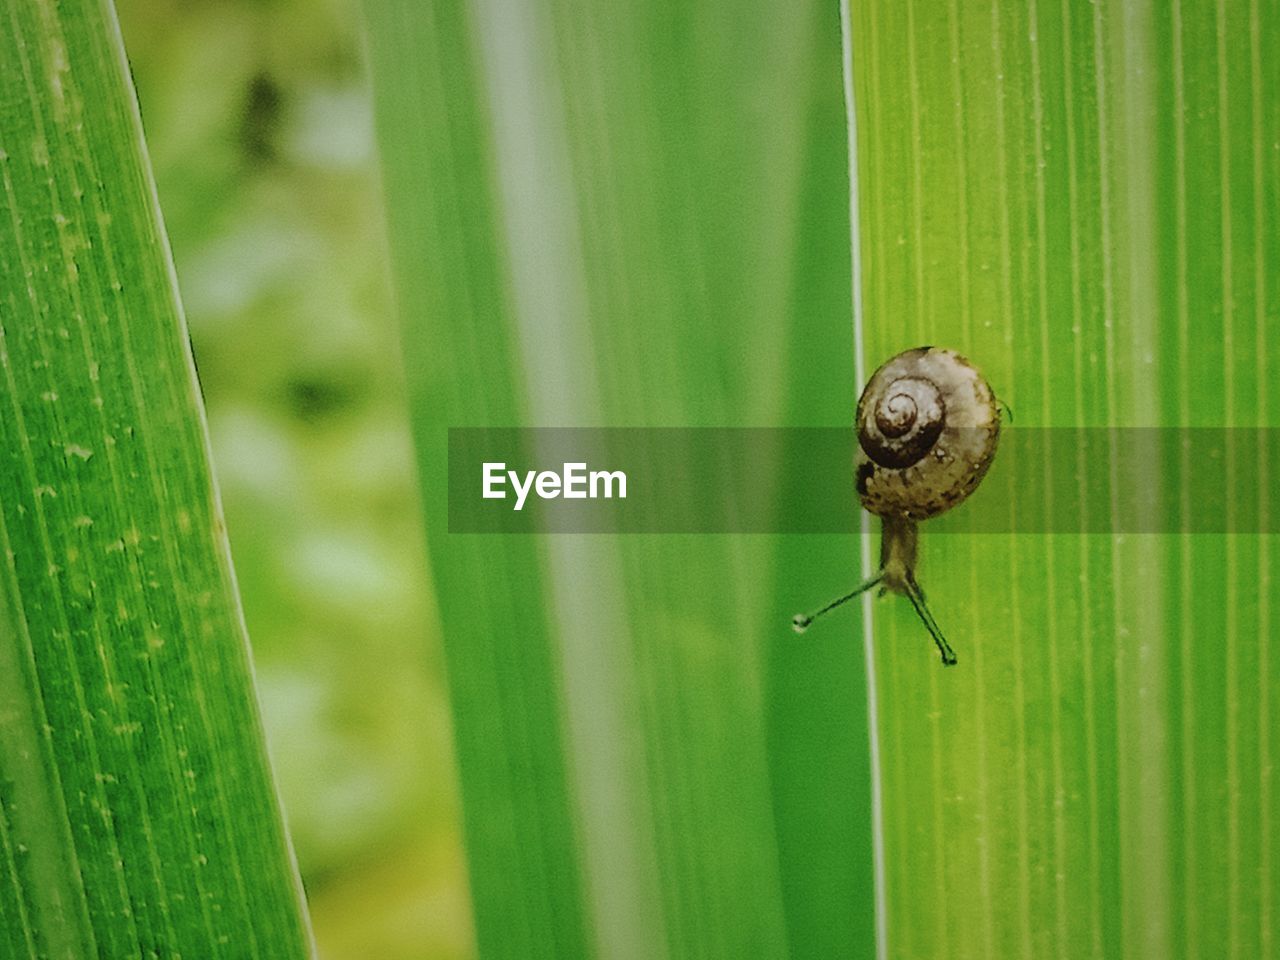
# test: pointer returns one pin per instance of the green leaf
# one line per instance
(137, 813)
(627, 215)
(1085, 200)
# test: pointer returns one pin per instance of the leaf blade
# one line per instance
(118, 593)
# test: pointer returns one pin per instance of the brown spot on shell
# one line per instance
(865, 472)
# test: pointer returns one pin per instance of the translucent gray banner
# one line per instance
(801, 480)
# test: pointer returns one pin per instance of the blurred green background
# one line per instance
(258, 120)
(745, 803)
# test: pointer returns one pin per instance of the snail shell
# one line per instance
(928, 425)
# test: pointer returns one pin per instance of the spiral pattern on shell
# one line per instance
(907, 417)
(928, 425)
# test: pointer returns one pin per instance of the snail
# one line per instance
(928, 425)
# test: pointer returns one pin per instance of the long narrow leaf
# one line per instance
(609, 213)
(137, 814)
(1083, 198)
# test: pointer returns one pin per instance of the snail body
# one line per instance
(928, 425)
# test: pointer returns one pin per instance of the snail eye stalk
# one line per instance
(916, 596)
(801, 621)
